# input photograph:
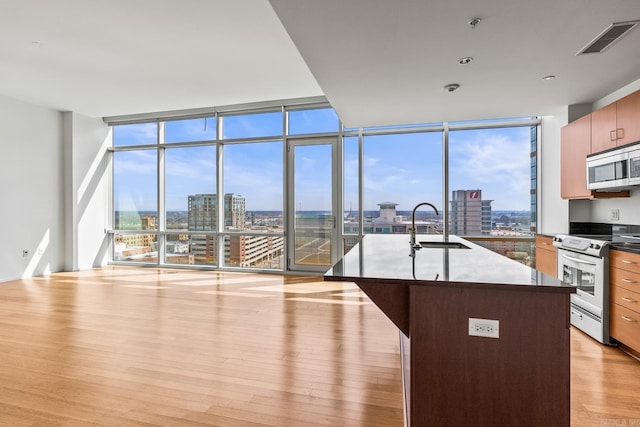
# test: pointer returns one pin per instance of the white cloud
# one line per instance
(498, 165)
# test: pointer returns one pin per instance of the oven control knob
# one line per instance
(592, 245)
(597, 246)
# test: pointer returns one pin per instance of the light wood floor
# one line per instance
(127, 346)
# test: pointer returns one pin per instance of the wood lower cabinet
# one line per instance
(575, 145)
(624, 322)
(546, 255)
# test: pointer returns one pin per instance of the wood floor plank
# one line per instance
(132, 346)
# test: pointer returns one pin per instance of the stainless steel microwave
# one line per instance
(614, 169)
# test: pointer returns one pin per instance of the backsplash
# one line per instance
(603, 229)
(627, 210)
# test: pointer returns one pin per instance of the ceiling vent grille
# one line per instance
(612, 33)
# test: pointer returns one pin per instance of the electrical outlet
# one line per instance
(25, 252)
(615, 215)
(484, 328)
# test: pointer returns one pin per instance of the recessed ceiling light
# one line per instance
(547, 78)
(451, 87)
(35, 43)
(466, 60)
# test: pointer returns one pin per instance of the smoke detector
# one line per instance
(474, 22)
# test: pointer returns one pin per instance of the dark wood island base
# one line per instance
(452, 378)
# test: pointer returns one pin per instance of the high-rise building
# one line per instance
(203, 212)
(470, 214)
(240, 250)
(235, 211)
(203, 216)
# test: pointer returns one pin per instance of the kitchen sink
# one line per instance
(443, 245)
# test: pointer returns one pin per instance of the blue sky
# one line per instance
(404, 169)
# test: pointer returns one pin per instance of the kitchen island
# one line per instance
(434, 296)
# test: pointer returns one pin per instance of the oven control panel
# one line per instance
(580, 244)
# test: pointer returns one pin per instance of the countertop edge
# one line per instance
(442, 283)
(622, 248)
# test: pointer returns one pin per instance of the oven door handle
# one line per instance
(578, 260)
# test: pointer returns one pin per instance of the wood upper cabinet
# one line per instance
(616, 124)
(603, 128)
(628, 119)
(575, 145)
(612, 126)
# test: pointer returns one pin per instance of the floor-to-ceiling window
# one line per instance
(253, 200)
(208, 190)
(400, 167)
(490, 183)
(252, 188)
(135, 190)
(491, 188)
(190, 218)
(212, 190)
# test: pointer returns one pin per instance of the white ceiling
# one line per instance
(117, 57)
(381, 60)
(377, 61)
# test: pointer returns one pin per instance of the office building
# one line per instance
(470, 214)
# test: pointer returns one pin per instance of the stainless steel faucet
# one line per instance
(413, 223)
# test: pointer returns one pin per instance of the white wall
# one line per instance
(31, 190)
(553, 212)
(600, 210)
(87, 177)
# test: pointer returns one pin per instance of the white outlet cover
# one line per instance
(488, 328)
(615, 214)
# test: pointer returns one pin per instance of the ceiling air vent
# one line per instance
(608, 36)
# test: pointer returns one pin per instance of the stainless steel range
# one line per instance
(584, 263)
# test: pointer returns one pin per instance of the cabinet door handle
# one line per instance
(628, 281)
(626, 261)
(628, 319)
(628, 299)
(619, 133)
(612, 135)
